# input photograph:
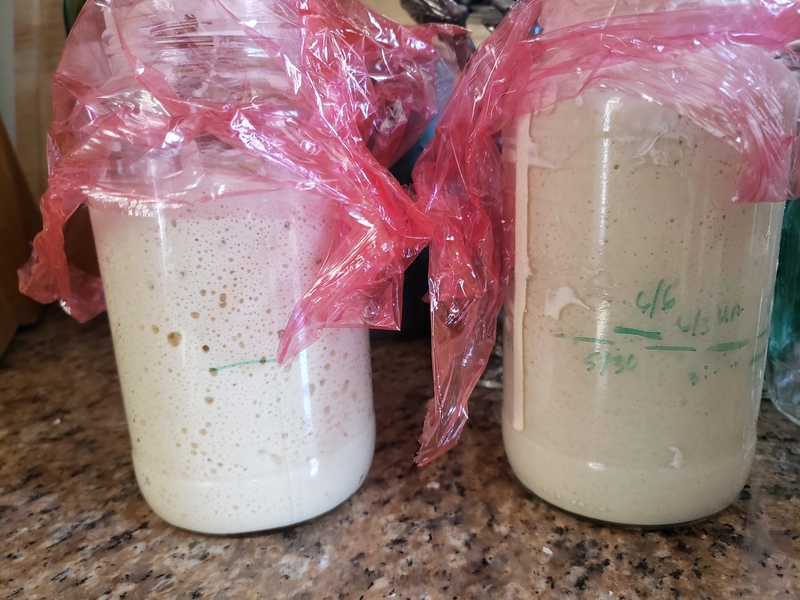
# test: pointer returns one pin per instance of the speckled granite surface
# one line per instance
(73, 525)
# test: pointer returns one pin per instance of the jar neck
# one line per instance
(557, 14)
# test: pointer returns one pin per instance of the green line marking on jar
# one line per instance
(671, 348)
(758, 356)
(593, 340)
(762, 334)
(560, 335)
(261, 361)
(651, 335)
(728, 346)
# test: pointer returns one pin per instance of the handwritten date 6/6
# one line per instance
(609, 363)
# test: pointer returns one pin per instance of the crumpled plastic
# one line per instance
(330, 92)
(715, 65)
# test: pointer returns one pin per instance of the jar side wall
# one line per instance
(638, 346)
(224, 439)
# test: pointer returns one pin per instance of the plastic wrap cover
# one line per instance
(154, 100)
(714, 65)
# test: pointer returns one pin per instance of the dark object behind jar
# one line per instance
(457, 11)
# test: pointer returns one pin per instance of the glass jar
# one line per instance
(637, 321)
(205, 247)
(783, 358)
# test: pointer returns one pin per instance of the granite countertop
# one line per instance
(75, 526)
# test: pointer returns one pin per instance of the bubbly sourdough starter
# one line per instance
(637, 324)
(225, 440)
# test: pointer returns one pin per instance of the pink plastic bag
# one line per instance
(330, 92)
(708, 64)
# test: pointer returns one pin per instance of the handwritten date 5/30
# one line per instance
(609, 363)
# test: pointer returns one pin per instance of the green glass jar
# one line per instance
(783, 364)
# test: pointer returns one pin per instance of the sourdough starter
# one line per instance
(224, 439)
(637, 324)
